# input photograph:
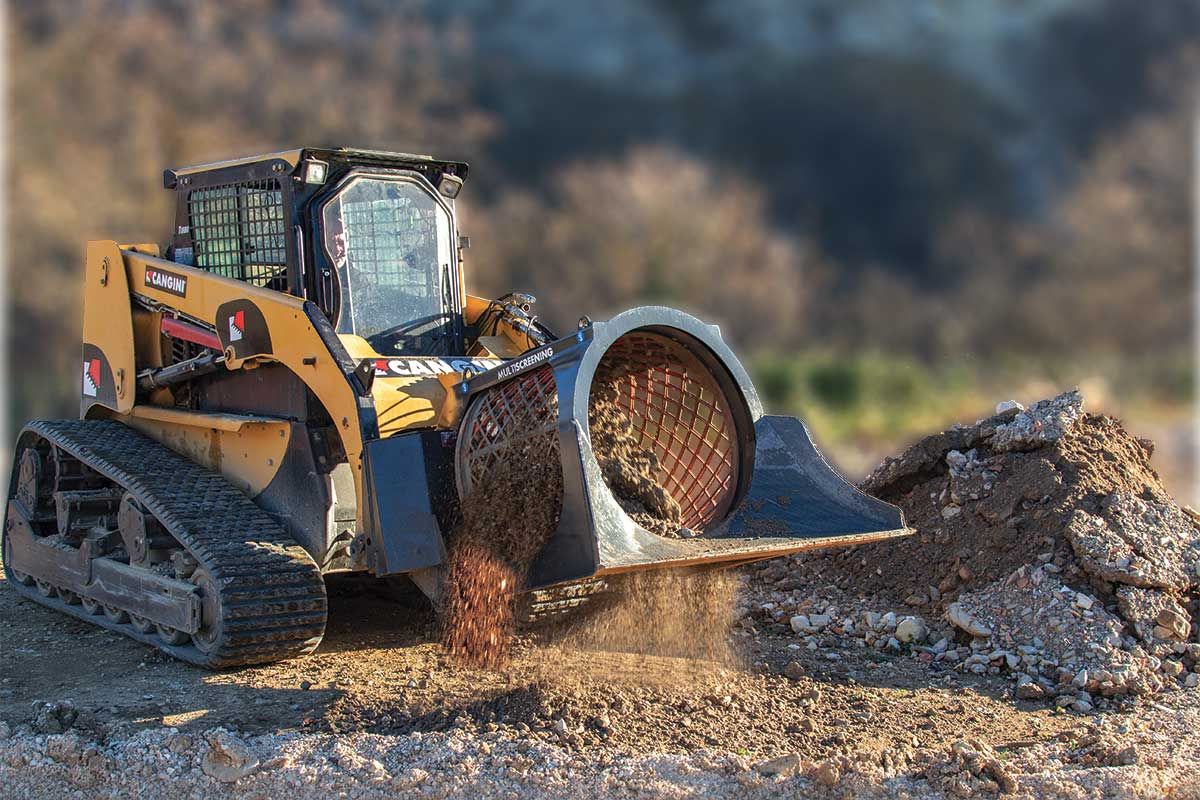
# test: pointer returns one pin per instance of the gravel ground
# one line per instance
(1153, 753)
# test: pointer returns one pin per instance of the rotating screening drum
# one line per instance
(666, 456)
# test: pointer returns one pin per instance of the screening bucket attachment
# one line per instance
(748, 486)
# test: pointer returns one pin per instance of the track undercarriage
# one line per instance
(113, 528)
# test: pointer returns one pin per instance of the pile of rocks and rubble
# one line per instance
(1046, 549)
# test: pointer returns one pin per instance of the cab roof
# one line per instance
(289, 159)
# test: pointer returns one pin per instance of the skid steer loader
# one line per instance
(299, 384)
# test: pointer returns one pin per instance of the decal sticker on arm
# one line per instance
(96, 380)
(166, 281)
(240, 325)
(237, 326)
(91, 377)
(427, 367)
(519, 365)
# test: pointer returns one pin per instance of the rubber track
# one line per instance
(273, 601)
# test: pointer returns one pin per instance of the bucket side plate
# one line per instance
(795, 502)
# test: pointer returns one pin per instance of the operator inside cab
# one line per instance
(391, 240)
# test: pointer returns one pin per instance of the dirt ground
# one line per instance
(380, 669)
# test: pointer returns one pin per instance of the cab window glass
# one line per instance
(391, 242)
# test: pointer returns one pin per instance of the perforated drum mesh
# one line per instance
(678, 410)
(674, 407)
(497, 418)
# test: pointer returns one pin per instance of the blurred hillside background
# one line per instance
(900, 211)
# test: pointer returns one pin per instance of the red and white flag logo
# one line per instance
(237, 326)
(91, 377)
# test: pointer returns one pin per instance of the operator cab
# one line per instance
(369, 237)
(391, 241)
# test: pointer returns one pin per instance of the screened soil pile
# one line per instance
(632, 471)
(990, 498)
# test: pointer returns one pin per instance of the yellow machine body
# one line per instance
(249, 449)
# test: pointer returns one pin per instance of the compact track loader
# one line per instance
(299, 384)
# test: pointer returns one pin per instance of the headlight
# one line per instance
(449, 186)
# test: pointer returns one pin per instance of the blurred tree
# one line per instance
(866, 154)
(1119, 252)
(654, 226)
(1092, 68)
(911, 174)
(1109, 270)
(870, 155)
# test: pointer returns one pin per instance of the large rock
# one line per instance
(1154, 615)
(911, 629)
(55, 717)
(1173, 623)
(958, 616)
(1153, 545)
(228, 758)
(1041, 424)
